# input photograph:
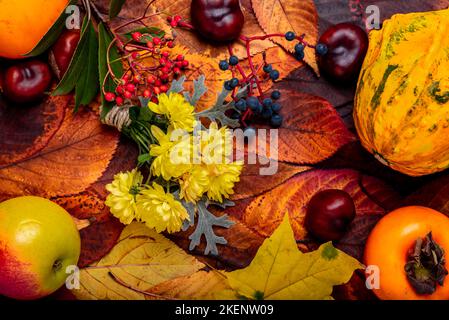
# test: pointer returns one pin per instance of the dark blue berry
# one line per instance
(267, 102)
(259, 109)
(276, 121)
(274, 75)
(321, 49)
(290, 36)
(299, 47)
(234, 82)
(235, 115)
(241, 105)
(267, 68)
(276, 107)
(224, 65)
(253, 103)
(228, 86)
(275, 95)
(267, 113)
(233, 61)
(299, 55)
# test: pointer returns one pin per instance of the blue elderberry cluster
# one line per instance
(267, 109)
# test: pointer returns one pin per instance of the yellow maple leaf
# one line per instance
(280, 271)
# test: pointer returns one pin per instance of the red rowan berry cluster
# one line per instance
(150, 66)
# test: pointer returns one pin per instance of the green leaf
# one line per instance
(115, 7)
(105, 40)
(52, 35)
(70, 78)
(87, 85)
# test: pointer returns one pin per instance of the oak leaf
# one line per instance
(280, 16)
(140, 260)
(280, 271)
(74, 158)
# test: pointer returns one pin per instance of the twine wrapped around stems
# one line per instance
(118, 117)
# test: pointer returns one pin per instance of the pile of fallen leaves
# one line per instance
(49, 151)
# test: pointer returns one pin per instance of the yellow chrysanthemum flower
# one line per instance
(172, 158)
(216, 144)
(179, 112)
(160, 210)
(122, 198)
(193, 184)
(222, 178)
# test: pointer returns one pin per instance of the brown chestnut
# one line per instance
(329, 214)
(26, 81)
(217, 20)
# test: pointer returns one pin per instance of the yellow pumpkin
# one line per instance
(401, 107)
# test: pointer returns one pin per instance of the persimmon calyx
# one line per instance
(425, 267)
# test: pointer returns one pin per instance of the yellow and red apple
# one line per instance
(38, 241)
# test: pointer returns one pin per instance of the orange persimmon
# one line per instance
(24, 23)
(393, 239)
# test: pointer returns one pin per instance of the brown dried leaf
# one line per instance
(280, 16)
(198, 286)
(75, 157)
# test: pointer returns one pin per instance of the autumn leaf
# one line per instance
(264, 213)
(23, 134)
(280, 271)
(280, 16)
(253, 183)
(237, 253)
(97, 240)
(141, 259)
(280, 59)
(311, 131)
(201, 285)
(434, 194)
(74, 158)
(85, 205)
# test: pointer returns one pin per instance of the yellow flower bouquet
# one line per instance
(188, 166)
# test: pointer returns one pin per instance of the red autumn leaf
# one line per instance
(73, 159)
(434, 195)
(311, 132)
(97, 240)
(265, 212)
(252, 183)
